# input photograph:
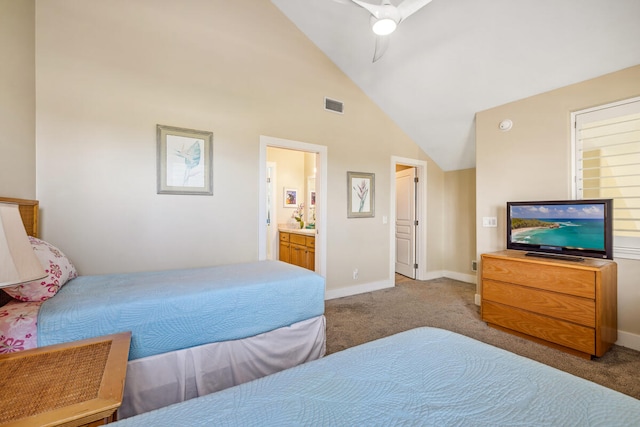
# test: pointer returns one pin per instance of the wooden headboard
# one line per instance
(28, 212)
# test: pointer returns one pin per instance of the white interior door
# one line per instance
(406, 222)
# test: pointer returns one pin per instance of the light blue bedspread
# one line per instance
(424, 376)
(176, 309)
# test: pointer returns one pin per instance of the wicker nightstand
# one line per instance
(72, 384)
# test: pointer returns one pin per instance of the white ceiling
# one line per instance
(454, 58)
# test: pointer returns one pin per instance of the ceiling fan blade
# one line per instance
(372, 8)
(382, 43)
(409, 7)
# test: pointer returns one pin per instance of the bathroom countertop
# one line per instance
(305, 231)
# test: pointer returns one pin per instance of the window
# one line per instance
(607, 166)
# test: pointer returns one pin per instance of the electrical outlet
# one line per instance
(474, 265)
(355, 273)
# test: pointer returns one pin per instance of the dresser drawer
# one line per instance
(546, 328)
(556, 278)
(284, 237)
(564, 307)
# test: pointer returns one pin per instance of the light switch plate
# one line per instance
(489, 221)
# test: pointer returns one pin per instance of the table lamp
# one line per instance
(18, 262)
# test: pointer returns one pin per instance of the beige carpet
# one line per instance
(449, 304)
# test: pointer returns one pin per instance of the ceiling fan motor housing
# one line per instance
(385, 19)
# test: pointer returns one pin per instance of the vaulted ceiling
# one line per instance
(454, 58)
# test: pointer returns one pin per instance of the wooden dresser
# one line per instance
(568, 305)
(298, 249)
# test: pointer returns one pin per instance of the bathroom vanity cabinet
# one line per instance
(298, 248)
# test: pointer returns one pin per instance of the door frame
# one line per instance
(321, 196)
(274, 212)
(421, 216)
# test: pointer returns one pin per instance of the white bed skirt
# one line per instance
(161, 380)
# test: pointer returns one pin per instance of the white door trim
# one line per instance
(421, 215)
(321, 196)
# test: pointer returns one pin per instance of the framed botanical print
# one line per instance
(360, 195)
(184, 161)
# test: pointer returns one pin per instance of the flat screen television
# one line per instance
(564, 228)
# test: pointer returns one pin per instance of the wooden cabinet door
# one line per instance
(311, 259)
(283, 249)
(284, 252)
(298, 255)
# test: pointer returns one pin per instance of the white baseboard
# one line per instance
(629, 340)
(467, 278)
(383, 284)
(430, 275)
(358, 289)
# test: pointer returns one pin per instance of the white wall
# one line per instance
(17, 99)
(108, 72)
(532, 161)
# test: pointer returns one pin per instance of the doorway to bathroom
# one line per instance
(292, 173)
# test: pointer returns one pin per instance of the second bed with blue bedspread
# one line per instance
(177, 309)
(424, 376)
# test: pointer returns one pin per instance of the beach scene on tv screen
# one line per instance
(574, 226)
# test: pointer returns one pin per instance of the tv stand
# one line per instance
(555, 256)
(569, 306)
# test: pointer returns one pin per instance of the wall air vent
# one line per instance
(333, 105)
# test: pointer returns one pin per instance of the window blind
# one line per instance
(607, 147)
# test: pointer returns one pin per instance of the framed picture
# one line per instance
(290, 198)
(361, 195)
(312, 198)
(184, 161)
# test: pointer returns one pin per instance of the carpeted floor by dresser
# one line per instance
(449, 304)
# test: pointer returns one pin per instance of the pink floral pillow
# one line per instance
(59, 270)
(18, 326)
